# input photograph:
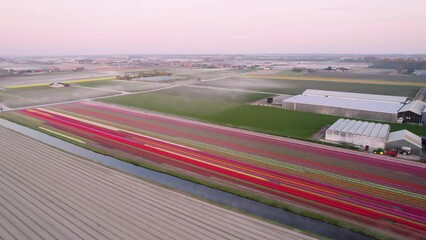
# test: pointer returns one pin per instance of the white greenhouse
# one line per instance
(358, 133)
(347, 104)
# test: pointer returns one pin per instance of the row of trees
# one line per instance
(153, 73)
(399, 64)
(303, 70)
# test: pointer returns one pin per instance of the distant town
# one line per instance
(407, 64)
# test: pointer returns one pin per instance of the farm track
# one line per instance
(396, 204)
(47, 194)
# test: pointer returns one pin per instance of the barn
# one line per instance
(358, 133)
(58, 85)
(412, 112)
(424, 116)
(405, 138)
(347, 104)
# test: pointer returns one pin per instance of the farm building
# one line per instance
(412, 112)
(58, 85)
(346, 104)
(405, 138)
(358, 133)
(424, 116)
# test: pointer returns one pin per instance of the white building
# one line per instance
(404, 138)
(58, 85)
(358, 133)
(347, 104)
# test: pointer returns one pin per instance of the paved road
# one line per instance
(48, 194)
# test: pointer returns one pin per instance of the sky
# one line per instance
(62, 27)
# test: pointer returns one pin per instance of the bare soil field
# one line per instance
(369, 76)
(339, 80)
(53, 77)
(188, 73)
(252, 84)
(294, 87)
(204, 74)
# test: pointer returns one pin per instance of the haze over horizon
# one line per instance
(48, 27)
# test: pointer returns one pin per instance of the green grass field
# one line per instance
(270, 120)
(196, 104)
(98, 83)
(215, 94)
(127, 86)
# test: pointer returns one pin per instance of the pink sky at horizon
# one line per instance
(59, 27)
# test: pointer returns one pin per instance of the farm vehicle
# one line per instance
(390, 152)
(405, 150)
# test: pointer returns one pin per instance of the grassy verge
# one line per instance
(16, 118)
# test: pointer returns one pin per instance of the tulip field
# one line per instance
(380, 193)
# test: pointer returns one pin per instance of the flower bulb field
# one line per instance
(378, 193)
